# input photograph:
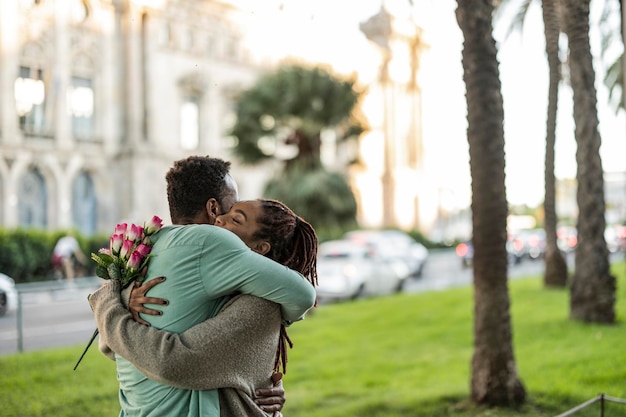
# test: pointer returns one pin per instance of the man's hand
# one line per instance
(138, 299)
(272, 399)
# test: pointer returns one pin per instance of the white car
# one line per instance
(8, 294)
(347, 271)
(394, 244)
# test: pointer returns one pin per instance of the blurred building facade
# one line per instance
(98, 98)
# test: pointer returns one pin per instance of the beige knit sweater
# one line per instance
(234, 351)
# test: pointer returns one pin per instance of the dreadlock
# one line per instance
(191, 182)
(293, 243)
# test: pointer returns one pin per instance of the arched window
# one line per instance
(32, 200)
(84, 204)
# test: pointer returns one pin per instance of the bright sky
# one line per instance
(328, 31)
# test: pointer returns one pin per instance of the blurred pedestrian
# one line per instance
(66, 254)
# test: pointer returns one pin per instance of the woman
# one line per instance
(240, 347)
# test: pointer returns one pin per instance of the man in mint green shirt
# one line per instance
(206, 266)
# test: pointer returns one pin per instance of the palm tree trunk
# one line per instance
(556, 268)
(494, 378)
(592, 297)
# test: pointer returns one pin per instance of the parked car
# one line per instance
(615, 237)
(347, 270)
(531, 243)
(393, 244)
(8, 294)
(465, 252)
(566, 238)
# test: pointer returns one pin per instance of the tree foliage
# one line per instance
(292, 106)
(323, 198)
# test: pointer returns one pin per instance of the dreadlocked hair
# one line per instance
(191, 182)
(293, 243)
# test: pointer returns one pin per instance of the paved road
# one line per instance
(443, 270)
(49, 319)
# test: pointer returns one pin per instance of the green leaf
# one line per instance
(102, 272)
(114, 271)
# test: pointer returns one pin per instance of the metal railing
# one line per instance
(602, 399)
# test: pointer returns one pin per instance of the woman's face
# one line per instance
(241, 219)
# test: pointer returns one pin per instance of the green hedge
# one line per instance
(25, 254)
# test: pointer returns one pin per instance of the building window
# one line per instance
(230, 48)
(187, 40)
(81, 107)
(165, 34)
(84, 204)
(211, 46)
(32, 200)
(30, 99)
(190, 123)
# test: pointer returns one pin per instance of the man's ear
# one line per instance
(213, 209)
(262, 247)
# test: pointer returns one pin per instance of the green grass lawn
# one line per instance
(399, 356)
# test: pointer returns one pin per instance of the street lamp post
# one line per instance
(399, 41)
(378, 30)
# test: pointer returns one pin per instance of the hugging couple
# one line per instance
(229, 276)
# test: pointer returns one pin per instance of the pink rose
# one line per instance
(134, 262)
(120, 229)
(153, 225)
(143, 250)
(115, 243)
(135, 233)
(127, 247)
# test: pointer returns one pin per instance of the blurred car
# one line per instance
(393, 244)
(529, 243)
(566, 238)
(465, 252)
(615, 237)
(8, 294)
(346, 270)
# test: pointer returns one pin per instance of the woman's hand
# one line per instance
(272, 399)
(138, 298)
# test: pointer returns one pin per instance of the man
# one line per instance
(205, 265)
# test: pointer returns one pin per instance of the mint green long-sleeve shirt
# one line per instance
(204, 266)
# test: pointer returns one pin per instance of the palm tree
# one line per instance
(614, 77)
(556, 267)
(592, 293)
(494, 379)
(286, 111)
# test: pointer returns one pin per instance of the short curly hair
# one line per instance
(192, 181)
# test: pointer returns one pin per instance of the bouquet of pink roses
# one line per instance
(128, 252)
(125, 258)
